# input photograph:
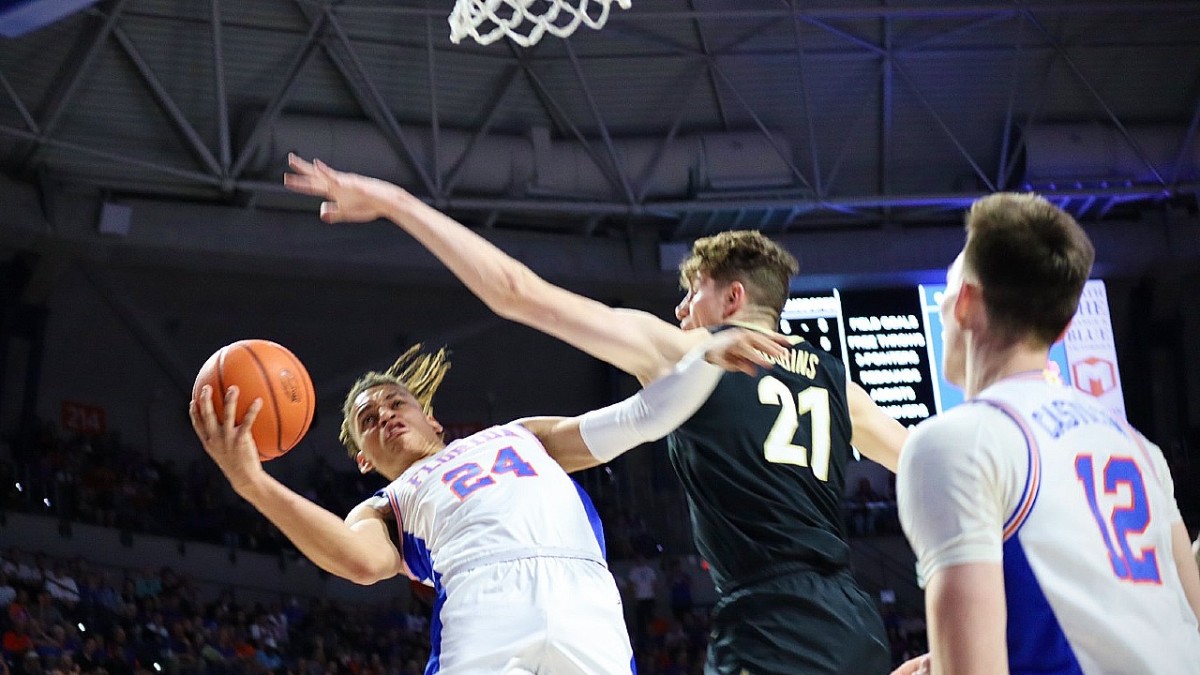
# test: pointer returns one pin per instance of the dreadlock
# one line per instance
(420, 373)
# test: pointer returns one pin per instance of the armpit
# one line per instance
(381, 505)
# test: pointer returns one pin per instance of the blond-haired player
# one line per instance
(509, 542)
(763, 460)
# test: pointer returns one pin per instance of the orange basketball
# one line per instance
(266, 370)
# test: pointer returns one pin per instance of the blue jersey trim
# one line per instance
(593, 517)
(1036, 641)
(434, 665)
(417, 557)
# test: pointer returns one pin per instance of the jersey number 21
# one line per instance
(779, 446)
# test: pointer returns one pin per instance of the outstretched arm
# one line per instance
(602, 435)
(636, 342)
(358, 548)
(876, 434)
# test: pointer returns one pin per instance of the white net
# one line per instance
(525, 21)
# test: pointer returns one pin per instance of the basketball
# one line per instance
(266, 370)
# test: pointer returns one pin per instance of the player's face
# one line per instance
(703, 305)
(954, 352)
(391, 429)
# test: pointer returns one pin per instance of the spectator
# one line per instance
(644, 581)
(61, 586)
(7, 592)
(680, 590)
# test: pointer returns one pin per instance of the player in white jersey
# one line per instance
(1046, 531)
(510, 543)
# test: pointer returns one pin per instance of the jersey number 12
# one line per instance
(779, 446)
(1119, 472)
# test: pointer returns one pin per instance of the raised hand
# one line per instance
(349, 197)
(745, 350)
(230, 445)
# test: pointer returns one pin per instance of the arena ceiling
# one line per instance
(685, 117)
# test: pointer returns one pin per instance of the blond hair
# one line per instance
(418, 372)
(763, 266)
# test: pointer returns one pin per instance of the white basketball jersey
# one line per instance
(1078, 508)
(494, 496)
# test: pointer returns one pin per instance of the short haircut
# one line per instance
(418, 372)
(1031, 259)
(764, 267)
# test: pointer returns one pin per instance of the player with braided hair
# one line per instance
(511, 545)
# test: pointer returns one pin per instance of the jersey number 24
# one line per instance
(780, 446)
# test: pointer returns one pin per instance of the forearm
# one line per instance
(321, 536)
(636, 342)
(875, 433)
(491, 274)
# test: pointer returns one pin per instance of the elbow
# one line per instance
(363, 574)
(514, 296)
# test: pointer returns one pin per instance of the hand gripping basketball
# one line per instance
(265, 370)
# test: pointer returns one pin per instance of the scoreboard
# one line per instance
(890, 340)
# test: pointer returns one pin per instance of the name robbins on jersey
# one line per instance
(456, 449)
(799, 362)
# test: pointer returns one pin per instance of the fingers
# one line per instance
(248, 420)
(770, 345)
(303, 184)
(306, 178)
(324, 169)
(295, 163)
(746, 351)
(329, 212)
(194, 414)
(231, 399)
(208, 415)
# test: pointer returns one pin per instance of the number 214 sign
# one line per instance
(82, 418)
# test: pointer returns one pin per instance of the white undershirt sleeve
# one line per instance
(653, 412)
(956, 485)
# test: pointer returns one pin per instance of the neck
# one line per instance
(757, 317)
(990, 362)
(408, 459)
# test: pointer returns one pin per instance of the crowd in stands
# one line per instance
(65, 616)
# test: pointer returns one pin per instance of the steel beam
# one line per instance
(1062, 52)
(224, 145)
(275, 104)
(600, 125)
(781, 151)
(712, 79)
(62, 95)
(20, 106)
(842, 12)
(676, 121)
(195, 176)
(434, 117)
(979, 172)
(494, 107)
(818, 184)
(373, 102)
(166, 103)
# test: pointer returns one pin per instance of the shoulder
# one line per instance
(973, 436)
